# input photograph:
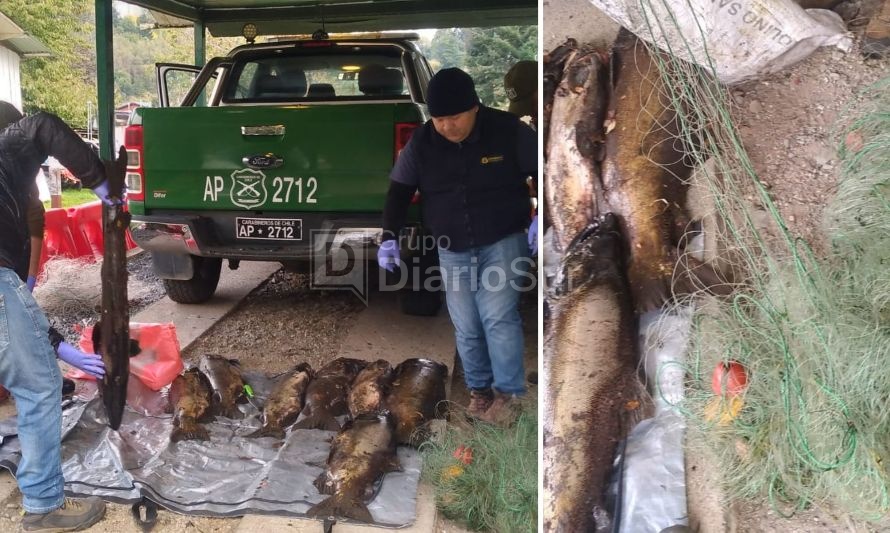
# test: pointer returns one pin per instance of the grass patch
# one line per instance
(498, 490)
(73, 197)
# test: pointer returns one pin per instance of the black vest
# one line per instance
(473, 192)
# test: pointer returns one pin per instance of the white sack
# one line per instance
(736, 39)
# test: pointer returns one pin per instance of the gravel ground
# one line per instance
(280, 324)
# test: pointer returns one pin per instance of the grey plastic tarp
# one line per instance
(229, 475)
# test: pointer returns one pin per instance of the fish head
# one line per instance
(304, 367)
(594, 252)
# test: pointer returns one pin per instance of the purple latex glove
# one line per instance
(88, 362)
(533, 236)
(101, 191)
(388, 255)
(31, 282)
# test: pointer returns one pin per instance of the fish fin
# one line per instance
(230, 412)
(267, 431)
(189, 432)
(341, 506)
(319, 421)
(321, 483)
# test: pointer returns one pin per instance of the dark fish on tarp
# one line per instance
(417, 389)
(190, 398)
(328, 394)
(285, 402)
(225, 382)
(589, 371)
(368, 392)
(644, 178)
(361, 453)
(115, 340)
(572, 174)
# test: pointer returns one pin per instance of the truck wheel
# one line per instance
(201, 287)
(422, 302)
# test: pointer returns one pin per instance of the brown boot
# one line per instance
(73, 515)
(480, 401)
(503, 410)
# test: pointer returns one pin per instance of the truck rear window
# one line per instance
(319, 74)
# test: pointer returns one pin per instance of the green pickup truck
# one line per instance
(272, 145)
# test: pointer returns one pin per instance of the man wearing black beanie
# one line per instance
(470, 163)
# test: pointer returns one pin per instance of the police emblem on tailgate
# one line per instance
(248, 188)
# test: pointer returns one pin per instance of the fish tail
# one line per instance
(267, 431)
(319, 421)
(189, 431)
(341, 506)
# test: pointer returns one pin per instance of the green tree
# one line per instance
(447, 49)
(64, 82)
(491, 52)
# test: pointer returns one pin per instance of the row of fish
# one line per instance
(411, 392)
(365, 448)
(615, 186)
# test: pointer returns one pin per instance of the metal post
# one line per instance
(105, 77)
(200, 54)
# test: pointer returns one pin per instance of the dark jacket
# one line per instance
(473, 192)
(24, 145)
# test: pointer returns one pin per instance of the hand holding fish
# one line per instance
(88, 362)
(115, 169)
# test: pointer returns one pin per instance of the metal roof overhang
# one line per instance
(17, 40)
(225, 18)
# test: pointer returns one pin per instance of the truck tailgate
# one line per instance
(332, 157)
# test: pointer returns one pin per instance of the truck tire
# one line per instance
(421, 302)
(201, 287)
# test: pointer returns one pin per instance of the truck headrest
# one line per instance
(321, 90)
(380, 81)
(286, 84)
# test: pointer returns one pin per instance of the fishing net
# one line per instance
(812, 331)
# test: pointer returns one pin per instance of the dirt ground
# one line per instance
(788, 127)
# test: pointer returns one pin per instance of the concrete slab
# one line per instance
(383, 332)
(578, 19)
(255, 523)
(193, 320)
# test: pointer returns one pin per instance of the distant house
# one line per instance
(122, 112)
(15, 45)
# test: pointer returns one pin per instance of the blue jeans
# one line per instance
(482, 292)
(28, 369)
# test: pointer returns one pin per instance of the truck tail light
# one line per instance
(403, 134)
(135, 174)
